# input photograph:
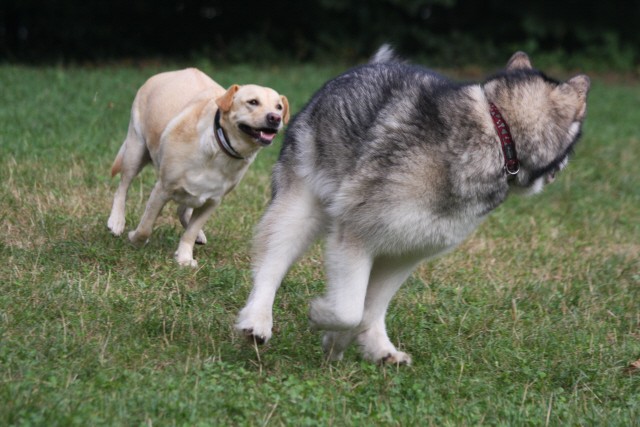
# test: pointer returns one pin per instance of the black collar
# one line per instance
(221, 137)
(511, 163)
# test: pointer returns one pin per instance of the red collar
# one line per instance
(511, 163)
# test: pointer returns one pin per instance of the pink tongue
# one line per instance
(267, 136)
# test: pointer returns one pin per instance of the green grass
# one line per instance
(531, 322)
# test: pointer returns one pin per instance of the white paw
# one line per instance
(116, 224)
(201, 239)
(255, 326)
(186, 261)
(375, 346)
(136, 239)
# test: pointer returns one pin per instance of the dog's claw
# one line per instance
(257, 339)
(398, 358)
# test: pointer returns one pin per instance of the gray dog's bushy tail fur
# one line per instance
(385, 54)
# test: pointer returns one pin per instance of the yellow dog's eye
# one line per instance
(279, 106)
(254, 102)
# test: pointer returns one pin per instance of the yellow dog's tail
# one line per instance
(116, 167)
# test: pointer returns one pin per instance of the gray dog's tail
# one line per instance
(385, 54)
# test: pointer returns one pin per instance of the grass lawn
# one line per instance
(531, 322)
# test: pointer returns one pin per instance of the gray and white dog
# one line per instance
(396, 164)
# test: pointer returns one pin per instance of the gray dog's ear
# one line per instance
(580, 84)
(519, 61)
(571, 96)
(226, 100)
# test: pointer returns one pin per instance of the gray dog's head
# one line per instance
(545, 117)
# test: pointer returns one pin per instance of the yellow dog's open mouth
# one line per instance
(263, 136)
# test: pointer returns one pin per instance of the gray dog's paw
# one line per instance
(396, 358)
(254, 338)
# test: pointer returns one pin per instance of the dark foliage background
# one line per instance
(445, 31)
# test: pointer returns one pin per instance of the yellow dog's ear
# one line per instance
(225, 101)
(285, 114)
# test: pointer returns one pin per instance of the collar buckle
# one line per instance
(512, 169)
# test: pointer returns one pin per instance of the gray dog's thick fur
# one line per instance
(396, 164)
